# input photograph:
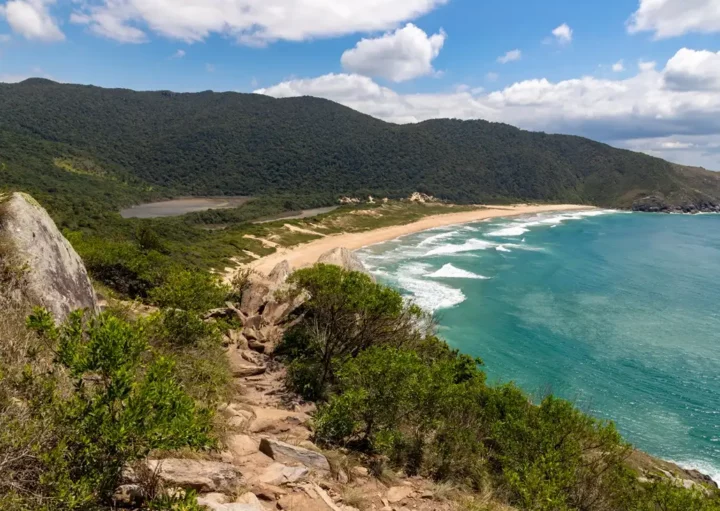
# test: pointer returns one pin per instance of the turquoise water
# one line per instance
(618, 312)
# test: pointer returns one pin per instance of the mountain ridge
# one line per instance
(228, 143)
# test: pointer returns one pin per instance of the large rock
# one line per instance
(55, 276)
(344, 258)
(218, 502)
(279, 450)
(280, 273)
(279, 474)
(202, 476)
(254, 296)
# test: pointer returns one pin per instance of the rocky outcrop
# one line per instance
(54, 275)
(344, 258)
(658, 203)
(202, 476)
(279, 450)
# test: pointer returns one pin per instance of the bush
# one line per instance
(121, 265)
(106, 403)
(196, 346)
(191, 291)
(391, 401)
(345, 314)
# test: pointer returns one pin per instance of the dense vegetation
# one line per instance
(403, 398)
(83, 401)
(246, 144)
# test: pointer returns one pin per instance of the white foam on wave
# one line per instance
(451, 272)
(428, 294)
(437, 237)
(522, 225)
(502, 248)
(509, 231)
(470, 245)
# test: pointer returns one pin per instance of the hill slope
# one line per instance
(230, 143)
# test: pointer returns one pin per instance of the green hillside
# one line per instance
(230, 144)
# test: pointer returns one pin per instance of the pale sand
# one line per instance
(308, 253)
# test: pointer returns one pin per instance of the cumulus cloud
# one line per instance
(672, 18)
(31, 19)
(618, 67)
(254, 22)
(646, 65)
(641, 107)
(693, 70)
(510, 56)
(401, 55)
(563, 34)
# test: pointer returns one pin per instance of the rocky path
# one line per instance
(268, 460)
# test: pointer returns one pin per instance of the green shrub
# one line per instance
(345, 314)
(667, 496)
(196, 346)
(119, 408)
(121, 265)
(191, 291)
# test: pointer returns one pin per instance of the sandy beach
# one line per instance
(308, 253)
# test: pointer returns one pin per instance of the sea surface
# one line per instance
(618, 312)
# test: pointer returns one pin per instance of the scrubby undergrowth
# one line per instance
(401, 395)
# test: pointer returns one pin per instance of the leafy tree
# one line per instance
(346, 313)
(191, 291)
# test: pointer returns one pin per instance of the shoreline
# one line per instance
(308, 253)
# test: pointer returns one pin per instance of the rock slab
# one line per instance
(202, 476)
(277, 449)
(55, 276)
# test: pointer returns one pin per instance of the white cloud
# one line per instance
(401, 55)
(254, 22)
(618, 67)
(641, 107)
(510, 56)
(492, 77)
(179, 54)
(693, 70)
(563, 34)
(32, 20)
(646, 65)
(677, 145)
(5, 38)
(210, 68)
(672, 18)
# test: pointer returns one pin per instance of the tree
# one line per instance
(346, 313)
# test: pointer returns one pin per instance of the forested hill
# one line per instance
(232, 144)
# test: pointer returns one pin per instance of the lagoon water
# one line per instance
(618, 312)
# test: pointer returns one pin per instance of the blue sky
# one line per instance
(641, 74)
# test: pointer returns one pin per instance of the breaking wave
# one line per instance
(451, 272)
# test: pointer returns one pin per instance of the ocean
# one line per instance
(618, 312)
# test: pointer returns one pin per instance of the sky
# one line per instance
(638, 74)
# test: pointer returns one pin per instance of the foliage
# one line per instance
(346, 312)
(191, 291)
(201, 365)
(405, 396)
(105, 403)
(249, 144)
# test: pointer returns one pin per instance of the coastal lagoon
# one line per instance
(618, 312)
(177, 207)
